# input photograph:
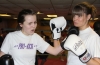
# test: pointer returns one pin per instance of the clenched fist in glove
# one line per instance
(76, 45)
(6, 60)
(57, 25)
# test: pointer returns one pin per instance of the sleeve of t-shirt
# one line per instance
(42, 45)
(95, 46)
(6, 44)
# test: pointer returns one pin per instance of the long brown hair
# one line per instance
(86, 8)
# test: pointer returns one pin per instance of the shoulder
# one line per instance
(93, 38)
(94, 34)
(36, 35)
(14, 33)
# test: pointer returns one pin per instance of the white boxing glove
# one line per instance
(57, 25)
(75, 44)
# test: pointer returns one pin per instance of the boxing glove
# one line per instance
(57, 25)
(70, 30)
(75, 44)
(6, 60)
(73, 30)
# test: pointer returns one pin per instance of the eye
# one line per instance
(30, 23)
(35, 22)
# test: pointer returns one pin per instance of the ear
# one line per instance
(20, 24)
(88, 17)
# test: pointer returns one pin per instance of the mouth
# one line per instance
(75, 23)
(33, 30)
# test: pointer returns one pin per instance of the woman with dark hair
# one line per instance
(22, 44)
(82, 13)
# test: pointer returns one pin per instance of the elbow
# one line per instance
(53, 50)
(55, 53)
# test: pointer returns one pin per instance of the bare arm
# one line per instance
(94, 61)
(56, 49)
(98, 60)
(1, 53)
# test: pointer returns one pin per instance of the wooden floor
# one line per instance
(54, 61)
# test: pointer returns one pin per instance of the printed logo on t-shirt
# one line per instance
(25, 46)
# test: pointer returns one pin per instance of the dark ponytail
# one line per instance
(94, 12)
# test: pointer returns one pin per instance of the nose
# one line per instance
(34, 25)
(75, 17)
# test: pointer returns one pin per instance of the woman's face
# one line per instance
(81, 21)
(29, 25)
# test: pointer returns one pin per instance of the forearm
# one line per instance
(54, 50)
(57, 46)
(56, 43)
(93, 61)
(98, 60)
(57, 50)
(1, 53)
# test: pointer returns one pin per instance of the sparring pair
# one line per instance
(72, 41)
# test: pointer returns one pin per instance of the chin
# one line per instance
(76, 25)
(32, 33)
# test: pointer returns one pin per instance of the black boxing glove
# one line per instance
(73, 30)
(6, 60)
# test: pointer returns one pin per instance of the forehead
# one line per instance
(78, 10)
(79, 13)
(31, 18)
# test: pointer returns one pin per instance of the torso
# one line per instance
(87, 38)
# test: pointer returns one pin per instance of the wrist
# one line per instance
(85, 57)
(56, 36)
(56, 39)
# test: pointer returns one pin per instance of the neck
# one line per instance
(24, 33)
(84, 27)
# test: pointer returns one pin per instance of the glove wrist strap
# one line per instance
(85, 57)
(56, 35)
